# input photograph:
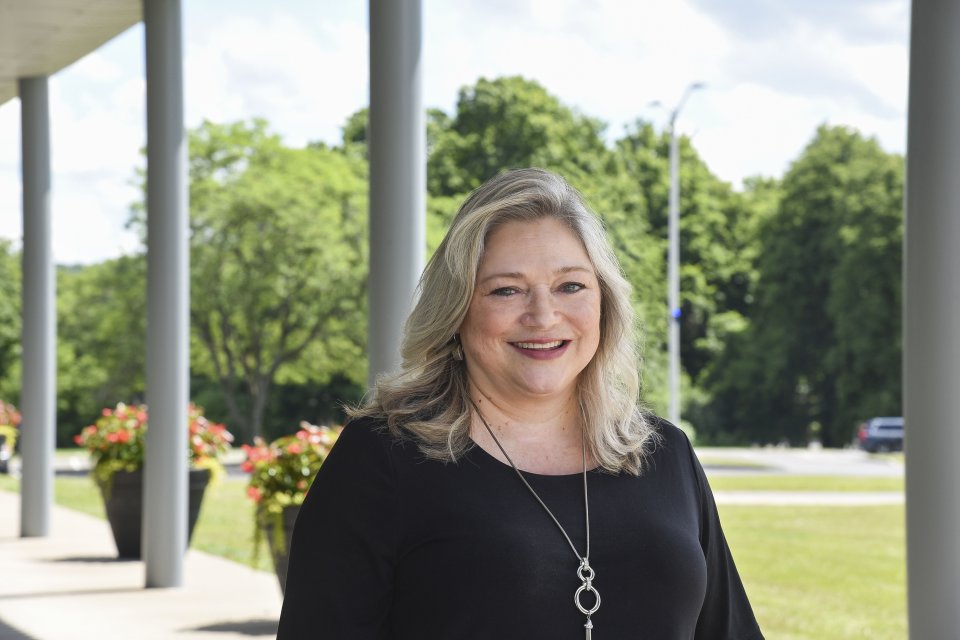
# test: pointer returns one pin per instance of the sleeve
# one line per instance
(340, 576)
(726, 613)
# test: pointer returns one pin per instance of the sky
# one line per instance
(774, 70)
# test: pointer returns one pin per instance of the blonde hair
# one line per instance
(429, 397)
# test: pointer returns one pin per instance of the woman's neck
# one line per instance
(541, 437)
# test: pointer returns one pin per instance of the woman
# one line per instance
(504, 483)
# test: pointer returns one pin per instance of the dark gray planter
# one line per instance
(281, 556)
(124, 503)
(5, 455)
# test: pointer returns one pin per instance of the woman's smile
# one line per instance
(542, 350)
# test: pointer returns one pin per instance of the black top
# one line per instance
(389, 545)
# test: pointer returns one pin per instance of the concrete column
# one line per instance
(38, 397)
(397, 148)
(168, 384)
(932, 321)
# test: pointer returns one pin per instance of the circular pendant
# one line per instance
(586, 575)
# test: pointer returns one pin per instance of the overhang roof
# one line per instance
(41, 37)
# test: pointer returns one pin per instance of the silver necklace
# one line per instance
(584, 572)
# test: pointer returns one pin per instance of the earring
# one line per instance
(458, 348)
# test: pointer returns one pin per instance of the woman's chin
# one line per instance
(545, 389)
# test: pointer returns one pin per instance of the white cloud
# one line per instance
(95, 67)
(306, 83)
(85, 224)
(774, 73)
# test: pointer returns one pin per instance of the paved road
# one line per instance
(825, 462)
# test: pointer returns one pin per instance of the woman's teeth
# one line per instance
(542, 346)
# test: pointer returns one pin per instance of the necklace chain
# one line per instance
(585, 572)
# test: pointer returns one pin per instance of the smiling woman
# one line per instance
(510, 438)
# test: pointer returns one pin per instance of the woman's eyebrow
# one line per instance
(516, 275)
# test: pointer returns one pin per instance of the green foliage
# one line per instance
(9, 321)
(281, 472)
(278, 264)
(509, 123)
(101, 347)
(823, 340)
(117, 441)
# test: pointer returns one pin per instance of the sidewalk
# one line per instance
(69, 586)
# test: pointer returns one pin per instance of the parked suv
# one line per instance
(881, 434)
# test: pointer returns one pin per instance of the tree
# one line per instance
(278, 263)
(101, 339)
(509, 123)
(823, 350)
(9, 322)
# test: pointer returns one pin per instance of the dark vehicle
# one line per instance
(881, 434)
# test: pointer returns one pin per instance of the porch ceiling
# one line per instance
(41, 37)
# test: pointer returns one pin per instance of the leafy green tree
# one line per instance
(101, 340)
(9, 322)
(718, 242)
(823, 347)
(506, 123)
(278, 264)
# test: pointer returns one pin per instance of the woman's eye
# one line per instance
(504, 291)
(572, 287)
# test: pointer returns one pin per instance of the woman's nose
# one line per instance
(541, 308)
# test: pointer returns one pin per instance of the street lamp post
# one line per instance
(673, 261)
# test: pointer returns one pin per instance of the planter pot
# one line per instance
(124, 504)
(6, 453)
(281, 555)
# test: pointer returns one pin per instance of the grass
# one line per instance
(764, 482)
(224, 528)
(812, 573)
(822, 572)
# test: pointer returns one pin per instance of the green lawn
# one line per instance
(764, 482)
(225, 526)
(812, 573)
(822, 572)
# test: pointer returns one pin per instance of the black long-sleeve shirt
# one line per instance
(389, 545)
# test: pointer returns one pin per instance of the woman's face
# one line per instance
(534, 320)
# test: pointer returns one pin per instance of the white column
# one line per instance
(932, 321)
(38, 397)
(165, 473)
(397, 149)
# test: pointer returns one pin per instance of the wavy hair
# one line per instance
(429, 396)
